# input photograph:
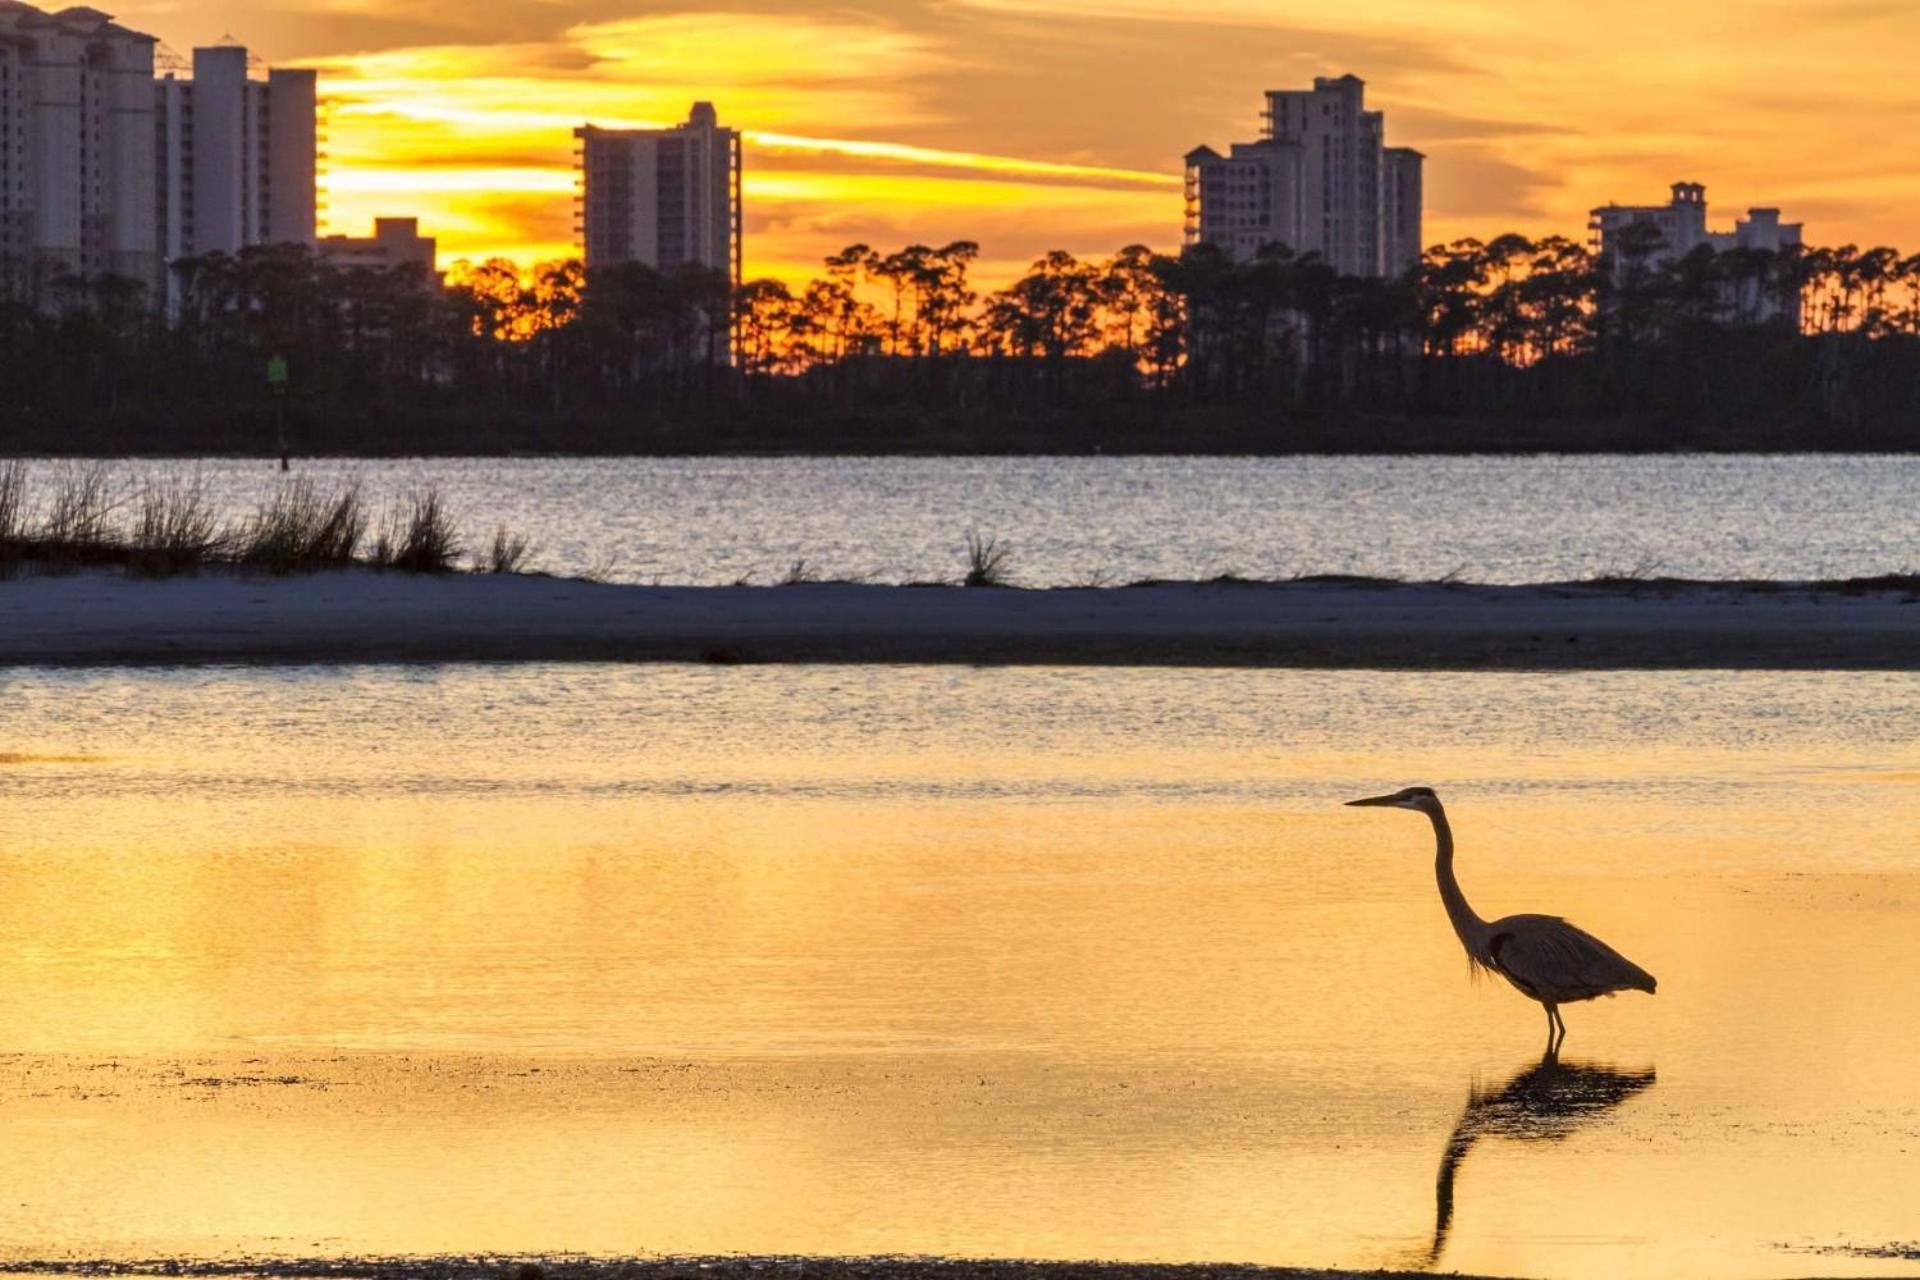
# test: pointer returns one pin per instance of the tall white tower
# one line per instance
(238, 157)
(665, 197)
(76, 149)
(215, 167)
(1320, 181)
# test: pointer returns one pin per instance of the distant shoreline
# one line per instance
(363, 616)
(319, 432)
(693, 444)
(950, 449)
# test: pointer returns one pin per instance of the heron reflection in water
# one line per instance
(1544, 1103)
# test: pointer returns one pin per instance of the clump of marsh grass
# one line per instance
(175, 529)
(805, 573)
(508, 554)
(13, 512)
(75, 531)
(13, 500)
(77, 528)
(301, 530)
(989, 562)
(13, 517)
(419, 537)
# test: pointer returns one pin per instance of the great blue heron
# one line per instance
(1546, 1102)
(1544, 957)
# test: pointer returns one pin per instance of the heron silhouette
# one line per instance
(1544, 957)
(1545, 1102)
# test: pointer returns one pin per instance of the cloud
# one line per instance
(1355, 14)
(906, 154)
(1024, 122)
(283, 31)
(470, 135)
(1476, 187)
(1424, 127)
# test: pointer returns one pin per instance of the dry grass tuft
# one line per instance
(75, 532)
(989, 562)
(301, 531)
(421, 537)
(175, 529)
(13, 501)
(510, 553)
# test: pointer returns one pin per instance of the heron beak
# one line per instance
(1374, 802)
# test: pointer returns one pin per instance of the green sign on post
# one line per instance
(277, 373)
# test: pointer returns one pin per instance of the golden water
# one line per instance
(1036, 963)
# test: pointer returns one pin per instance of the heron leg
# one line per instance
(1556, 1028)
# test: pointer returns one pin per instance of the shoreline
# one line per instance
(362, 616)
(727, 1267)
(1258, 443)
(889, 427)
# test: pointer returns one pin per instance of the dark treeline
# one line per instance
(1509, 344)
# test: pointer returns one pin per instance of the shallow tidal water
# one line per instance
(1042, 963)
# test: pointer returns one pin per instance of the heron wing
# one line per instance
(1551, 959)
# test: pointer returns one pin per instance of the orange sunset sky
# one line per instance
(1034, 124)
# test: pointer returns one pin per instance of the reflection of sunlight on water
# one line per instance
(1515, 519)
(1027, 962)
(1903, 777)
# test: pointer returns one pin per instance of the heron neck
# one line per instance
(1468, 925)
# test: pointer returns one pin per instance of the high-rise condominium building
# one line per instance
(106, 171)
(1682, 227)
(1402, 200)
(396, 244)
(238, 156)
(664, 197)
(1679, 227)
(1321, 180)
(76, 148)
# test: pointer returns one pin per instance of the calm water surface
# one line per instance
(1028, 962)
(1077, 520)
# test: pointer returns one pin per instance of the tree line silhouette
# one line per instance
(1509, 343)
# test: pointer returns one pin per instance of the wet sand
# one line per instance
(364, 617)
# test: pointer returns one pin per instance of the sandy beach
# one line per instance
(358, 616)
